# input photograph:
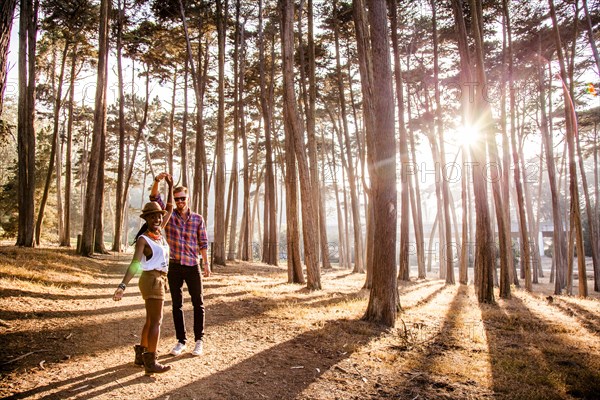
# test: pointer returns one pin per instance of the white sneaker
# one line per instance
(198, 348)
(178, 349)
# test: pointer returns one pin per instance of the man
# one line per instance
(186, 235)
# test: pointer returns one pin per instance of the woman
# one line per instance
(151, 255)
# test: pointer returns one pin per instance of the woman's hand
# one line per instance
(118, 294)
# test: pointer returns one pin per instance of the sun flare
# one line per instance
(468, 135)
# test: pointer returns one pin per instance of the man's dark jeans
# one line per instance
(191, 275)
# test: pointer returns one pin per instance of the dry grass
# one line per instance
(63, 337)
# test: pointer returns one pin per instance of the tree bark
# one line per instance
(383, 300)
(7, 12)
(66, 239)
(270, 245)
(484, 246)
(120, 200)
(358, 241)
(54, 146)
(219, 219)
(91, 211)
(294, 124)
(405, 167)
(571, 132)
(26, 116)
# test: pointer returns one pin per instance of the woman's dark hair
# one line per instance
(141, 231)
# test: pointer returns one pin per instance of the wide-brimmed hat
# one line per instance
(150, 208)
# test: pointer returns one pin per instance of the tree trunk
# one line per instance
(53, 149)
(533, 244)
(90, 210)
(170, 138)
(311, 134)
(245, 250)
(448, 253)
(485, 251)
(231, 253)
(558, 239)
(219, 219)
(571, 132)
(591, 38)
(7, 12)
(383, 300)
(295, 126)
(295, 274)
(200, 193)
(463, 269)
(405, 167)
(506, 271)
(66, 239)
(120, 200)
(184, 124)
(525, 246)
(269, 255)
(26, 116)
(99, 246)
(358, 241)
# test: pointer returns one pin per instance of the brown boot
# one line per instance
(151, 366)
(139, 350)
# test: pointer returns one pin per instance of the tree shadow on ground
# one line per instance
(84, 385)
(586, 318)
(525, 349)
(294, 365)
(405, 287)
(56, 341)
(427, 299)
(56, 296)
(423, 380)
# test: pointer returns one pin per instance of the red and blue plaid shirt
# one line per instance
(186, 234)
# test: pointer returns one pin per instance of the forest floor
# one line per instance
(62, 337)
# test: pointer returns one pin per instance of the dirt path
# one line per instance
(63, 337)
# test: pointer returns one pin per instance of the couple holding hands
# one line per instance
(167, 251)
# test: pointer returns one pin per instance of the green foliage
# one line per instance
(8, 204)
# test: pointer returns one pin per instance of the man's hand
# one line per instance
(206, 273)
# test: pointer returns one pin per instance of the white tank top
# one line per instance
(160, 255)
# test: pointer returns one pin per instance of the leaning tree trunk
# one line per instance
(53, 148)
(358, 242)
(7, 12)
(294, 124)
(200, 192)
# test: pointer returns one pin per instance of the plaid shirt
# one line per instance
(186, 235)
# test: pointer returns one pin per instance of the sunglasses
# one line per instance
(180, 198)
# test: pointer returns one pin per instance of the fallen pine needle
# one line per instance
(23, 356)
